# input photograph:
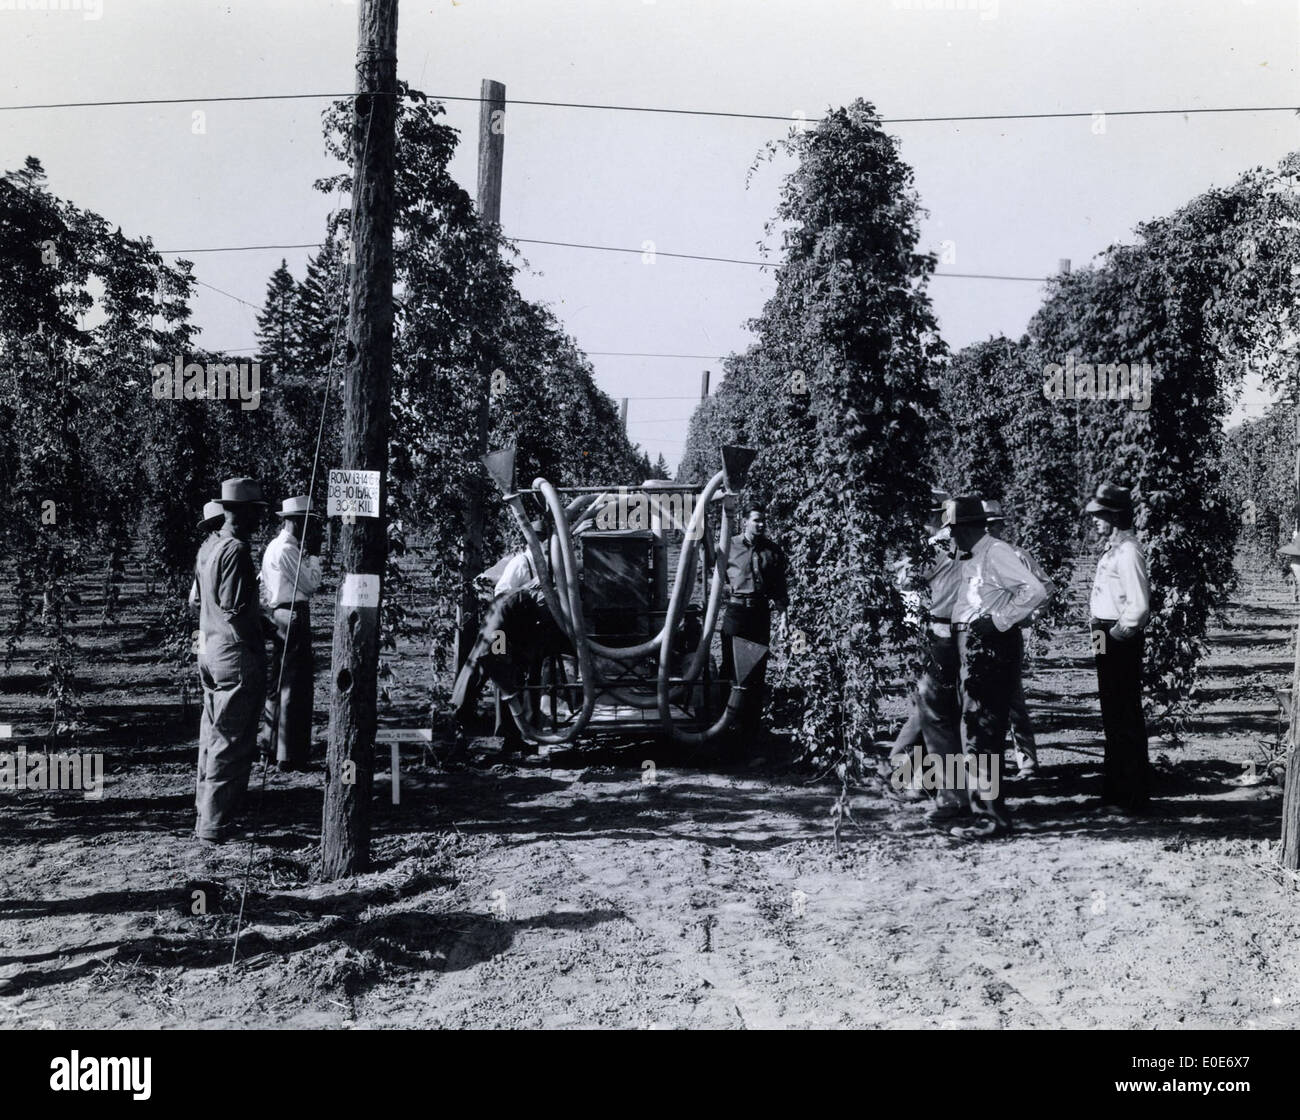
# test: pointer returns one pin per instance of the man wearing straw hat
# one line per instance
(233, 663)
(1025, 749)
(997, 593)
(291, 575)
(1120, 606)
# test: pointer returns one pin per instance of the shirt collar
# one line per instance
(1119, 536)
(982, 545)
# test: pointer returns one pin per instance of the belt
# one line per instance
(748, 600)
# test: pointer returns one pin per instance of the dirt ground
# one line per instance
(569, 892)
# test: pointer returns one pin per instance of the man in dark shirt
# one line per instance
(233, 662)
(756, 583)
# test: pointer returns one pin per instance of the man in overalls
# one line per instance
(232, 666)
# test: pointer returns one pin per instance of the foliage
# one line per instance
(836, 396)
(1001, 438)
(1202, 295)
(1259, 478)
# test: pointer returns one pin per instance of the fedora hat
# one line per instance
(241, 492)
(1110, 499)
(213, 511)
(966, 510)
(297, 506)
(994, 510)
(938, 499)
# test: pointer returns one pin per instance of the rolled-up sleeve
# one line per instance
(306, 577)
(1022, 591)
(1135, 588)
(236, 583)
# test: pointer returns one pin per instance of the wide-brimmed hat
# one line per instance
(1110, 499)
(966, 510)
(1291, 548)
(938, 499)
(994, 509)
(297, 506)
(241, 492)
(212, 511)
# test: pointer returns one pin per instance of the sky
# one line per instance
(1008, 197)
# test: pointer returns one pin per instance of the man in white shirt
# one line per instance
(517, 634)
(291, 575)
(997, 593)
(1120, 606)
(1025, 750)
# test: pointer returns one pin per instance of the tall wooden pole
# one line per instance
(491, 153)
(704, 386)
(345, 830)
(622, 415)
(1290, 856)
(491, 149)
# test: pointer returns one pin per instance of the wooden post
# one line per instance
(491, 149)
(491, 152)
(704, 386)
(345, 827)
(1290, 856)
(622, 415)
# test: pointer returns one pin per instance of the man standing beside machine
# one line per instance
(756, 583)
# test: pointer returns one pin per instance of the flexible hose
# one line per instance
(675, 606)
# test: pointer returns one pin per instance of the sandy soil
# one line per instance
(568, 892)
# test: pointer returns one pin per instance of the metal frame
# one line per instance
(560, 588)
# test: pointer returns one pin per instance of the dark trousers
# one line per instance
(990, 665)
(1126, 779)
(517, 635)
(753, 622)
(234, 688)
(935, 719)
(290, 687)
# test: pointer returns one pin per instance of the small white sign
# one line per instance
(354, 492)
(359, 591)
(403, 735)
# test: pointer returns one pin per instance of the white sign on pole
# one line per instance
(354, 492)
(359, 590)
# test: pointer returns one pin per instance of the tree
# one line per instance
(1201, 296)
(1001, 438)
(836, 396)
